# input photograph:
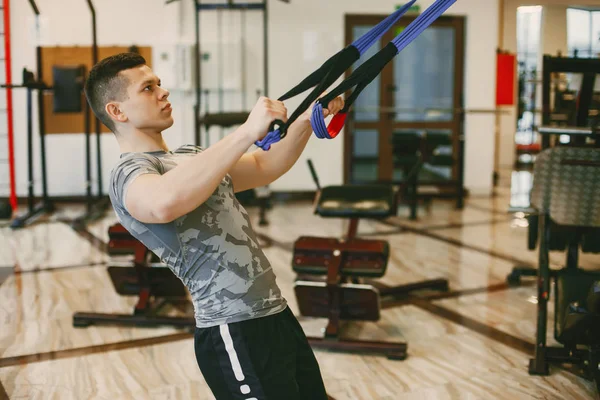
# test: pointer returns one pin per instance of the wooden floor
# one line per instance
(472, 344)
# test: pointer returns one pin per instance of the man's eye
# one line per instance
(148, 87)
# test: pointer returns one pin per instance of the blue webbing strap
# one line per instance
(369, 70)
(370, 38)
(328, 73)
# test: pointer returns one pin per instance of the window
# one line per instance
(529, 20)
(583, 33)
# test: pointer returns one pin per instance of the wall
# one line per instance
(554, 30)
(302, 35)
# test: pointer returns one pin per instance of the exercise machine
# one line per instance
(348, 264)
(156, 287)
(565, 194)
(554, 129)
(226, 119)
(568, 105)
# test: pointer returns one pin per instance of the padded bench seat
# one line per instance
(360, 258)
(357, 301)
(364, 201)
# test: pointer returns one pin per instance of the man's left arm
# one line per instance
(260, 168)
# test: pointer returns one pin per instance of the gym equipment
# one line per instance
(228, 119)
(568, 105)
(423, 150)
(553, 130)
(67, 98)
(571, 108)
(147, 282)
(95, 208)
(30, 84)
(346, 263)
(361, 77)
(328, 73)
(565, 195)
(408, 153)
(230, 5)
(559, 239)
(367, 72)
(67, 91)
(45, 206)
(220, 119)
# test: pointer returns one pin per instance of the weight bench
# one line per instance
(156, 287)
(566, 195)
(346, 263)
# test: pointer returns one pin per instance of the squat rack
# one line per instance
(30, 83)
(232, 118)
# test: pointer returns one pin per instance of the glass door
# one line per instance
(416, 101)
(363, 145)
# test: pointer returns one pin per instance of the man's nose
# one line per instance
(164, 93)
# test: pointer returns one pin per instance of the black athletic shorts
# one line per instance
(266, 358)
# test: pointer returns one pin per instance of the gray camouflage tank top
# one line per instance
(213, 249)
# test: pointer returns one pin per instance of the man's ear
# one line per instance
(114, 111)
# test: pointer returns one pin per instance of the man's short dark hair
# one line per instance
(104, 83)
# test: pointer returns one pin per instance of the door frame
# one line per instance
(385, 125)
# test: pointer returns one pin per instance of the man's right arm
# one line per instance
(163, 198)
(153, 198)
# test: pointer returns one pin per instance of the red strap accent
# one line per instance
(336, 124)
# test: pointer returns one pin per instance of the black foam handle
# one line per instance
(281, 126)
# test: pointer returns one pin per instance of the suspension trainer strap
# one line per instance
(370, 69)
(328, 73)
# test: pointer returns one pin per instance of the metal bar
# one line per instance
(539, 364)
(42, 128)
(585, 97)
(440, 110)
(34, 6)
(575, 65)
(30, 150)
(220, 63)
(546, 77)
(96, 120)
(88, 158)
(198, 79)
(266, 48)
(243, 65)
(564, 130)
(232, 6)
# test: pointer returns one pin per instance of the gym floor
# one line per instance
(473, 342)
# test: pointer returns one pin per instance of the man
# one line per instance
(181, 205)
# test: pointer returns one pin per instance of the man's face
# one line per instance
(146, 107)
